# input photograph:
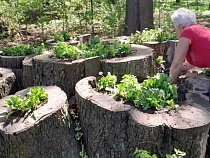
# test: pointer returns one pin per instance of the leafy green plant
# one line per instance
(107, 82)
(129, 88)
(152, 92)
(145, 154)
(157, 92)
(148, 35)
(159, 60)
(62, 36)
(63, 50)
(34, 98)
(18, 50)
(207, 71)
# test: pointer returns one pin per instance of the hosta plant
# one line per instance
(35, 98)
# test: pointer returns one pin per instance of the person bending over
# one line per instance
(193, 45)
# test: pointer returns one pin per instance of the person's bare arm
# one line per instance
(179, 58)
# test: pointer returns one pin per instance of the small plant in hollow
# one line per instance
(64, 50)
(62, 36)
(107, 82)
(18, 50)
(35, 98)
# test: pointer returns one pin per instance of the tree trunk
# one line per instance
(139, 15)
(42, 134)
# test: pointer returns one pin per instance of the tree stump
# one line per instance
(51, 42)
(86, 38)
(157, 46)
(28, 78)
(103, 121)
(114, 129)
(14, 63)
(7, 79)
(141, 63)
(65, 74)
(44, 133)
(171, 50)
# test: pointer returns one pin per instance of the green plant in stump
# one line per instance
(18, 50)
(107, 82)
(129, 88)
(157, 92)
(63, 50)
(34, 98)
(66, 35)
(58, 37)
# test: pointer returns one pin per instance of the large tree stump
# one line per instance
(14, 63)
(114, 129)
(7, 79)
(141, 63)
(65, 74)
(103, 121)
(157, 46)
(43, 134)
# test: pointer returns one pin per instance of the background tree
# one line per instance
(139, 15)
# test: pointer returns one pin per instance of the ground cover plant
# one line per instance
(62, 36)
(35, 98)
(153, 92)
(145, 154)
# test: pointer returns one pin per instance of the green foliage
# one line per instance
(148, 35)
(129, 88)
(157, 92)
(19, 50)
(62, 36)
(145, 154)
(107, 82)
(207, 71)
(32, 101)
(159, 60)
(64, 50)
(105, 50)
(152, 92)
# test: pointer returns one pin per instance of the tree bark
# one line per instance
(15, 64)
(44, 133)
(6, 81)
(114, 129)
(139, 15)
(141, 63)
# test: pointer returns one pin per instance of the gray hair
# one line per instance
(183, 17)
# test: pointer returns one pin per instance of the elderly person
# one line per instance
(194, 43)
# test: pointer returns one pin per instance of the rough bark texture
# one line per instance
(14, 63)
(141, 63)
(28, 78)
(7, 79)
(103, 122)
(86, 38)
(113, 129)
(138, 17)
(43, 134)
(64, 74)
(157, 46)
(171, 50)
